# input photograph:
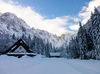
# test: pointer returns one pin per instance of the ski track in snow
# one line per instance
(38, 65)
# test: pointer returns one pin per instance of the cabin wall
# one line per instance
(20, 49)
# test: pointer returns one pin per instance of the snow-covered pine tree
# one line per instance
(82, 41)
(24, 38)
(29, 41)
(73, 49)
(95, 19)
(13, 37)
(5, 42)
(47, 49)
(50, 47)
(32, 44)
(42, 47)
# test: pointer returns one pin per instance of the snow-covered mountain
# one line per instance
(11, 24)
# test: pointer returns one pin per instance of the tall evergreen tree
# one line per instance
(95, 19)
(82, 41)
(47, 49)
(13, 37)
(29, 41)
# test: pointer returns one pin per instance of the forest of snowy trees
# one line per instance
(86, 44)
(36, 44)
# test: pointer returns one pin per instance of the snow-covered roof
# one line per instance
(55, 54)
(14, 47)
(21, 53)
(20, 42)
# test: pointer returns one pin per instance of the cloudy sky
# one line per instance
(55, 16)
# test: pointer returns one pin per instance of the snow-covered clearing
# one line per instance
(38, 65)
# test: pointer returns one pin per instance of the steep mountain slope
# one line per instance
(11, 24)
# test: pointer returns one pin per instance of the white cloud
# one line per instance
(56, 25)
(86, 10)
(85, 13)
(75, 19)
(34, 19)
(74, 27)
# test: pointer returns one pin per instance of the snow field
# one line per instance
(38, 65)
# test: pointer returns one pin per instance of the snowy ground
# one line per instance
(38, 65)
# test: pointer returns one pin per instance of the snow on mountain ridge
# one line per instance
(11, 24)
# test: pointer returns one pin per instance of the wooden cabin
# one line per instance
(20, 49)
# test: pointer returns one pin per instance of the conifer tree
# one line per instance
(47, 49)
(82, 41)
